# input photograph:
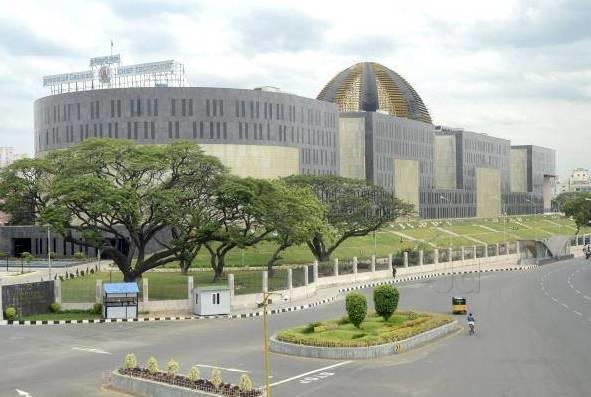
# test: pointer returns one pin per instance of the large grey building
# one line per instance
(368, 122)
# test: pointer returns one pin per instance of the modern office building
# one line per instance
(367, 122)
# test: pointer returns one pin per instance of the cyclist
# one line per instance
(471, 323)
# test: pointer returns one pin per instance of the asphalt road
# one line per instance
(532, 340)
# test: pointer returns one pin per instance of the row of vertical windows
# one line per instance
(319, 157)
(214, 107)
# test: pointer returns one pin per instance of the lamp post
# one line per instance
(49, 250)
(449, 235)
(265, 303)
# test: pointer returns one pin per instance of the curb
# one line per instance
(259, 313)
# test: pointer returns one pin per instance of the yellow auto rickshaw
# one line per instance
(458, 305)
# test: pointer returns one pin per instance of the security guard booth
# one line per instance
(120, 300)
(211, 300)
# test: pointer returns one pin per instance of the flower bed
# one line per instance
(373, 331)
(225, 389)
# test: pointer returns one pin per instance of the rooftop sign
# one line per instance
(106, 60)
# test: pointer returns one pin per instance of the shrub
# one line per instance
(97, 308)
(91, 271)
(79, 255)
(194, 375)
(152, 365)
(413, 315)
(10, 313)
(55, 307)
(82, 273)
(130, 361)
(245, 383)
(385, 299)
(356, 306)
(172, 367)
(216, 377)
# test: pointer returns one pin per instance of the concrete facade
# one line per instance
(263, 133)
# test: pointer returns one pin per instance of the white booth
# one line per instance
(120, 300)
(211, 300)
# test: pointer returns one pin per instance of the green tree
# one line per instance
(354, 208)
(106, 189)
(579, 208)
(295, 215)
(356, 306)
(385, 299)
(242, 204)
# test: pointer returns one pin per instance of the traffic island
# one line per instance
(375, 337)
(149, 381)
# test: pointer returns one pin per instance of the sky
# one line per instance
(519, 70)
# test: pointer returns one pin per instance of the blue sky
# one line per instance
(519, 70)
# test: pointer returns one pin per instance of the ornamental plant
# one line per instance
(194, 375)
(385, 300)
(130, 361)
(216, 378)
(172, 367)
(10, 313)
(152, 365)
(245, 383)
(55, 307)
(356, 305)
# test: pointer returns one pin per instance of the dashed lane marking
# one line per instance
(90, 350)
(555, 300)
(578, 313)
(22, 393)
(565, 305)
(310, 373)
(222, 368)
(586, 297)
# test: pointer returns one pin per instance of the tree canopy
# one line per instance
(579, 208)
(353, 208)
(104, 189)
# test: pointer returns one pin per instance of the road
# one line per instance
(532, 340)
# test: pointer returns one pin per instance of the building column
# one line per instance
(231, 285)
(190, 287)
(265, 275)
(98, 291)
(145, 290)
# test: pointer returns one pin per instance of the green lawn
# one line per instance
(68, 315)
(374, 330)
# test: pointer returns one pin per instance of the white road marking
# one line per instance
(555, 300)
(222, 368)
(586, 297)
(90, 350)
(22, 393)
(565, 306)
(577, 291)
(578, 313)
(310, 373)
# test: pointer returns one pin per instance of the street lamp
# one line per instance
(446, 199)
(265, 303)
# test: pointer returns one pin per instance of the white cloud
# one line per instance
(515, 69)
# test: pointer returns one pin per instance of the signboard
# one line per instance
(146, 68)
(67, 78)
(106, 60)
(29, 299)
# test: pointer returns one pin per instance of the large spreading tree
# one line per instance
(105, 190)
(579, 208)
(354, 208)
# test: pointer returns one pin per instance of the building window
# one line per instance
(201, 129)
(131, 108)
(184, 107)
(110, 128)
(177, 130)
(239, 130)
(112, 108)
(190, 107)
(194, 129)
(146, 130)
(242, 109)
(237, 108)
(215, 108)
(153, 130)
(116, 130)
(139, 107)
(101, 130)
(129, 130)
(118, 108)
(217, 130)
(170, 130)
(207, 107)
(173, 107)
(221, 108)
(211, 131)
(78, 111)
(149, 106)
(156, 107)
(225, 130)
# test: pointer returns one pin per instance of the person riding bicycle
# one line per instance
(471, 322)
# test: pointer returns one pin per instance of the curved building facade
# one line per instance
(254, 132)
(371, 87)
